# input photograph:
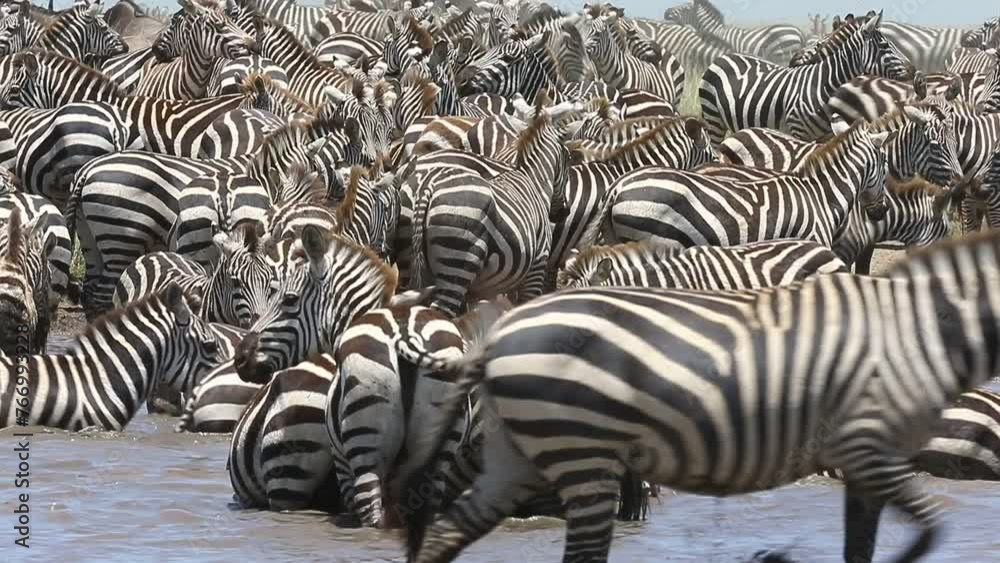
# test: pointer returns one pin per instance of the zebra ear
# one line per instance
(871, 24)
(274, 176)
(919, 85)
(878, 139)
(315, 246)
(954, 90)
(839, 126)
(602, 273)
(173, 298)
(695, 130)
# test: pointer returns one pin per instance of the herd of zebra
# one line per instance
(435, 265)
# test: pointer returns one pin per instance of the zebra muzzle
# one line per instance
(251, 365)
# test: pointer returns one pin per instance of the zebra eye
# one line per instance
(211, 347)
(290, 300)
(237, 283)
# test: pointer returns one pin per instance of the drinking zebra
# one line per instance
(113, 365)
(687, 388)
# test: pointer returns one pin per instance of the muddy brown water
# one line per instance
(148, 494)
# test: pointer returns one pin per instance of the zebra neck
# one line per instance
(897, 148)
(195, 71)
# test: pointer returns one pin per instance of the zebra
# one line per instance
(775, 43)
(987, 36)
(37, 209)
(330, 281)
(202, 36)
(297, 18)
(376, 398)
(517, 67)
(694, 48)
(674, 142)
(280, 456)
(24, 287)
(232, 292)
(81, 31)
(347, 47)
(689, 208)
(367, 24)
(17, 30)
(963, 441)
(111, 368)
(216, 404)
(870, 97)
(127, 69)
(965, 61)
(679, 413)
(927, 48)
(794, 100)
(506, 219)
(621, 70)
(654, 264)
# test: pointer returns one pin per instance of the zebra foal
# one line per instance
(720, 393)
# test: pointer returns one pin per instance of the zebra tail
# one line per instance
(418, 247)
(634, 500)
(72, 206)
(595, 227)
(418, 472)
(186, 423)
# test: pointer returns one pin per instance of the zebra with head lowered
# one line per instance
(688, 388)
(506, 218)
(37, 209)
(738, 91)
(111, 367)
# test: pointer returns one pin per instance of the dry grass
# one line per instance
(77, 267)
(690, 106)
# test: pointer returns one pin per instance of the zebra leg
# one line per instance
(591, 506)
(861, 517)
(887, 480)
(508, 480)
(863, 264)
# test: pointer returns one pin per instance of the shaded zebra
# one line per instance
(686, 387)
(38, 210)
(654, 264)
(623, 70)
(155, 339)
(739, 91)
(927, 48)
(24, 287)
(775, 43)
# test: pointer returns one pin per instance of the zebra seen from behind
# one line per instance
(25, 314)
(687, 387)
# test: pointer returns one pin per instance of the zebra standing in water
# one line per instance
(37, 209)
(775, 43)
(280, 456)
(507, 219)
(112, 366)
(687, 388)
(739, 91)
(24, 287)
(654, 264)
(619, 69)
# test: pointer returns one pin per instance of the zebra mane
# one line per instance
(455, 23)
(831, 149)
(533, 132)
(833, 42)
(895, 119)
(49, 58)
(345, 247)
(59, 18)
(256, 83)
(315, 195)
(610, 152)
(345, 210)
(270, 25)
(15, 240)
(922, 259)
(914, 184)
(638, 252)
(423, 37)
(10, 183)
(429, 90)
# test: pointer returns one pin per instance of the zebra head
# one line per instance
(88, 29)
(191, 347)
(989, 98)
(681, 14)
(24, 254)
(203, 30)
(935, 150)
(987, 36)
(881, 57)
(366, 113)
(406, 47)
(508, 69)
(242, 278)
(13, 28)
(329, 282)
